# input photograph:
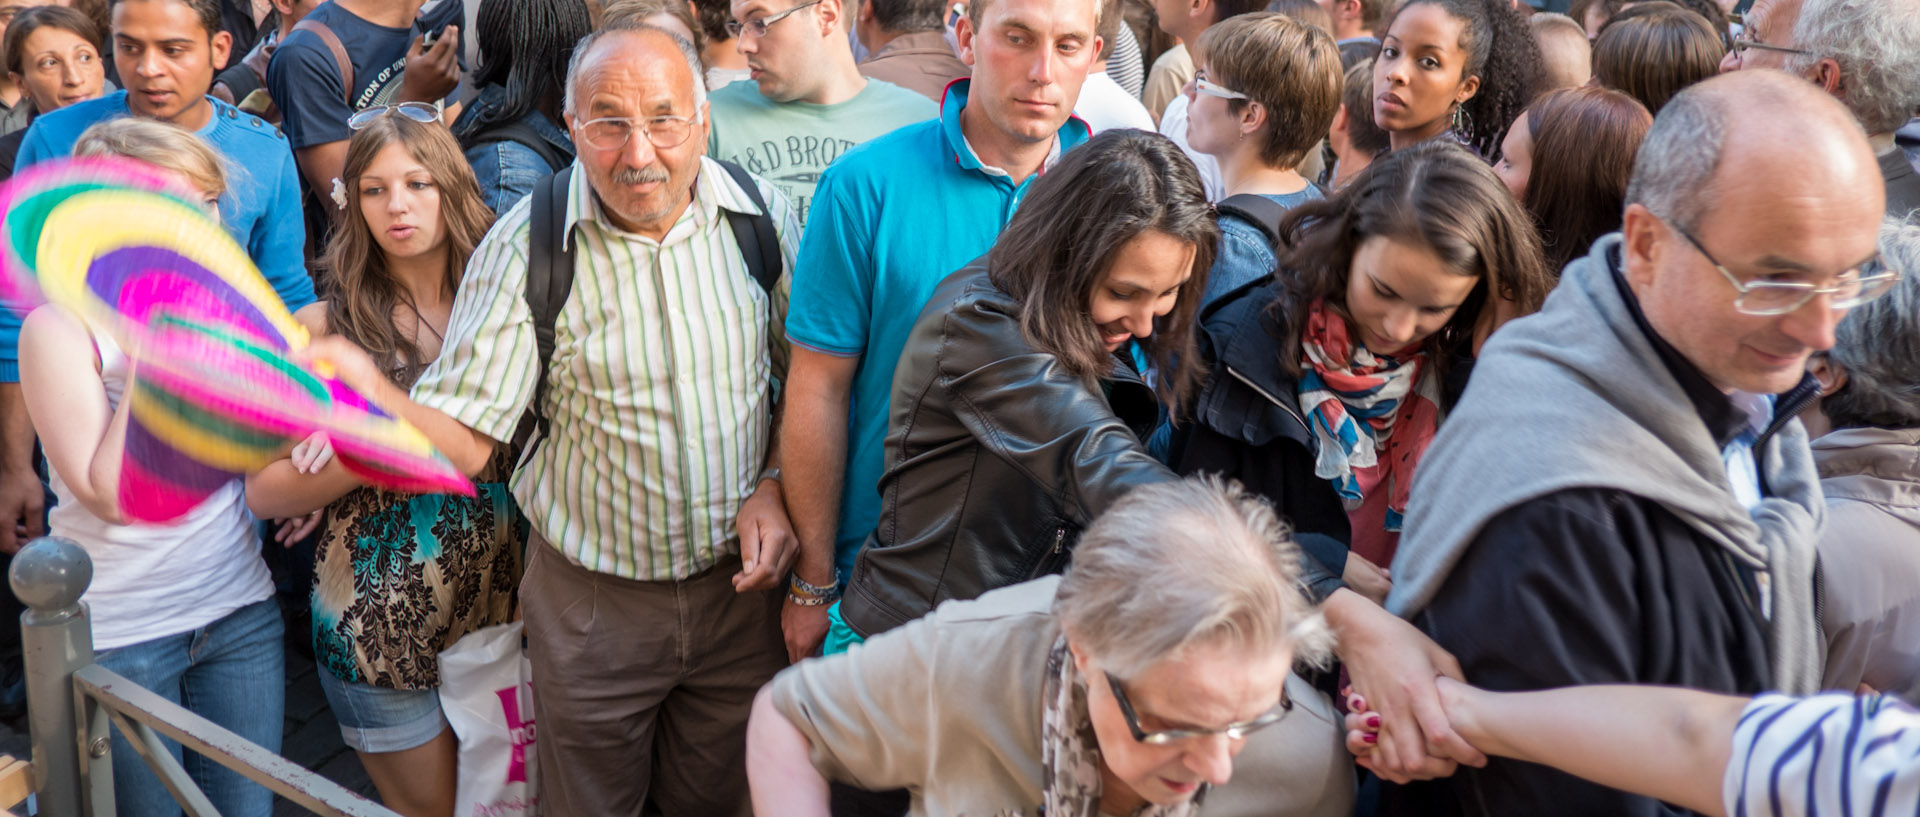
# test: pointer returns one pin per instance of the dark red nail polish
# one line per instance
(1373, 721)
(1370, 737)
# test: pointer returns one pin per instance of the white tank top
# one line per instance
(151, 581)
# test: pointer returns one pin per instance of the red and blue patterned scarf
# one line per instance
(1364, 410)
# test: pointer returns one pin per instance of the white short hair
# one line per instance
(1877, 44)
(585, 52)
(1878, 344)
(1192, 562)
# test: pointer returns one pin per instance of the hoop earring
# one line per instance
(1462, 121)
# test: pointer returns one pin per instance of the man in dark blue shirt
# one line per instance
(377, 41)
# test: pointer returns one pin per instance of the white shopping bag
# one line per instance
(486, 692)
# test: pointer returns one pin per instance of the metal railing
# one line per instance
(71, 701)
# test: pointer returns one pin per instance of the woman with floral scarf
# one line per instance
(1329, 378)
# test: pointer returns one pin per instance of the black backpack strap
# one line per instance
(751, 231)
(550, 253)
(1260, 211)
(519, 132)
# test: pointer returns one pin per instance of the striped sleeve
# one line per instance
(786, 221)
(1835, 755)
(484, 376)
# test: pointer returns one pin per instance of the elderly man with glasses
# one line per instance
(1866, 54)
(652, 615)
(1625, 493)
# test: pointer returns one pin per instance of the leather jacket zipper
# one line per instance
(1052, 556)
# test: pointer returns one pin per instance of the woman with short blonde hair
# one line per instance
(1126, 686)
(168, 147)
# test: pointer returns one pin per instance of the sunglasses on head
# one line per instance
(417, 111)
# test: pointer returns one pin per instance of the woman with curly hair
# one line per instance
(1460, 68)
(399, 577)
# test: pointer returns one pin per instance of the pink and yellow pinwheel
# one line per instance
(215, 392)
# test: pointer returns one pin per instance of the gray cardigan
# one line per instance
(1870, 559)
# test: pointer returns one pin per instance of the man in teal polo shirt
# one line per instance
(890, 220)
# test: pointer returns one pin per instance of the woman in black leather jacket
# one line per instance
(1021, 402)
(1328, 378)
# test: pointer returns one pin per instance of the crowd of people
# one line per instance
(1066, 407)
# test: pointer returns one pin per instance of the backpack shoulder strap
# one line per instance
(340, 58)
(759, 243)
(1262, 212)
(550, 257)
(520, 133)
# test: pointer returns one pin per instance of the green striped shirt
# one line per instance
(658, 388)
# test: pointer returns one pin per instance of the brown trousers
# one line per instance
(641, 689)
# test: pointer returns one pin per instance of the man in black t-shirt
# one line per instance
(378, 40)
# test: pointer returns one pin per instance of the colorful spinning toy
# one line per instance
(214, 391)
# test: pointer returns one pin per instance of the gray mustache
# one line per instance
(645, 175)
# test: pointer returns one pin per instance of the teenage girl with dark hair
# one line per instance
(1461, 68)
(1328, 381)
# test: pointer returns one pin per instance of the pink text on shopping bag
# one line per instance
(520, 732)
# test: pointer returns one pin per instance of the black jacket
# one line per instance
(997, 458)
(1586, 586)
(1247, 425)
(1596, 586)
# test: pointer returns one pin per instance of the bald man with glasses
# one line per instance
(1625, 493)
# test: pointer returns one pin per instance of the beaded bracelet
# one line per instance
(808, 595)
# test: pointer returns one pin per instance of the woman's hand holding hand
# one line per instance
(1393, 667)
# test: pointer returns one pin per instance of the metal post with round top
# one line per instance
(49, 575)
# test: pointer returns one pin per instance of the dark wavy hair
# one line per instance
(1654, 50)
(363, 295)
(524, 48)
(1584, 143)
(1065, 235)
(1437, 195)
(1500, 51)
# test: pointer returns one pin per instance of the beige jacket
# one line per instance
(948, 707)
(1870, 559)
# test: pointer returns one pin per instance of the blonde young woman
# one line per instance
(183, 609)
(399, 577)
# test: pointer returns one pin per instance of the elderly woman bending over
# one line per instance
(1866, 430)
(1125, 687)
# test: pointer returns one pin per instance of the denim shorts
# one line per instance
(377, 719)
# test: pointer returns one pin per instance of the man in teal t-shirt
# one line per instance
(894, 217)
(807, 104)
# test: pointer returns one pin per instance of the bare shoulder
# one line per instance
(52, 324)
(313, 317)
(53, 338)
